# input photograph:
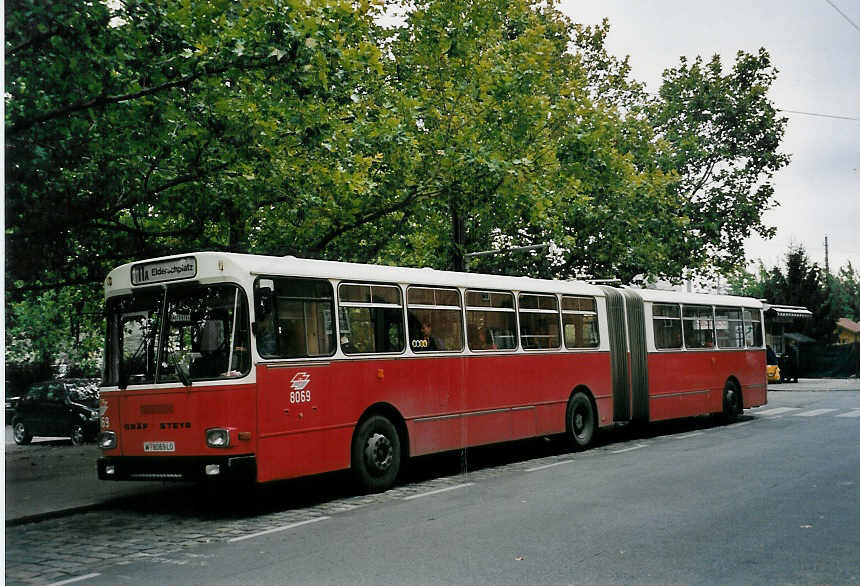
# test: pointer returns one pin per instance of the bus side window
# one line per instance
(371, 318)
(491, 319)
(435, 319)
(730, 327)
(295, 320)
(698, 326)
(666, 319)
(579, 316)
(539, 324)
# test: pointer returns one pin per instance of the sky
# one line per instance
(817, 52)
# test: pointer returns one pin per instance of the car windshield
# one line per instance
(85, 393)
(205, 335)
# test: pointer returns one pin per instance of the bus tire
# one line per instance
(732, 406)
(581, 420)
(376, 453)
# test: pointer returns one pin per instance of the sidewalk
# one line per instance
(818, 384)
(51, 477)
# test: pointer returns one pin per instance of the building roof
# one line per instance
(787, 312)
(851, 326)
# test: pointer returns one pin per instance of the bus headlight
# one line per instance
(218, 437)
(107, 440)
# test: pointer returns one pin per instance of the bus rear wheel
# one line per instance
(581, 420)
(376, 454)
(732, 407)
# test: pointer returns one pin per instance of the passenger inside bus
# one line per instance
(211, 346)
(427, 341)
(484, 340)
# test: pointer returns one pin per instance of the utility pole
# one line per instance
(826, 257)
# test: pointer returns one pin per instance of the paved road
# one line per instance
(774, 498)
(52, 477)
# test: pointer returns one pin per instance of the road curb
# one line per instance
(37, 517)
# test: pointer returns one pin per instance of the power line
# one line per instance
(819, 115)
(843, 15)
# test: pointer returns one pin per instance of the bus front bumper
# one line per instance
(242, 467)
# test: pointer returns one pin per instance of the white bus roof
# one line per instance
(658, 296)
(242, 266)
(214, 266)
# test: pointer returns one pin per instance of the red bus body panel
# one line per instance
(446, 402)
(180, 415)
(684, 384)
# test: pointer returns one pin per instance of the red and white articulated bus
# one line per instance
(224, 365)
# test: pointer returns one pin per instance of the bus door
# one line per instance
(295, 339)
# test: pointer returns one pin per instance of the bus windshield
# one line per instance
(181, 333)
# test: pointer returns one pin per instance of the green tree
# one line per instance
(724, 135)
(845, 293)
(140, 129)
(800, 282)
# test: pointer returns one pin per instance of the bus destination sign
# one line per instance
(165, 270)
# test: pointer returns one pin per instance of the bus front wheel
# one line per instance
(581, 420)
(376, 453)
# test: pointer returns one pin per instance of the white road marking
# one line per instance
(636, 447)
(77, 579)
(854, 413)
(276, 529)
(742, 423)
(778, 410)
(432, 492)
(686, 435)
(545, 466)
(813, 413)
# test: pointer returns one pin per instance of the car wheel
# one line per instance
(78, 436)
(21, 433)
(581, 421)
(376, 454)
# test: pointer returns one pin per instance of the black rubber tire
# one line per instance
(20, 433)
(732, 403)
(376, 454)
(581, 421)
(78, 435)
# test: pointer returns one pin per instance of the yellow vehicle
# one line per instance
(773, 373)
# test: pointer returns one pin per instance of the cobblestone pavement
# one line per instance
(59, 549)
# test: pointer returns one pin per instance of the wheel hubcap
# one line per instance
(19, 431)
(578, 422)
(731, 400)
(378, 452)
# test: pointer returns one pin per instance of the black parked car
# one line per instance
(11, 405)
(68, 407)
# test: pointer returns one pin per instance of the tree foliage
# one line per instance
(724, 135)
(138, 129)
(802, 282)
